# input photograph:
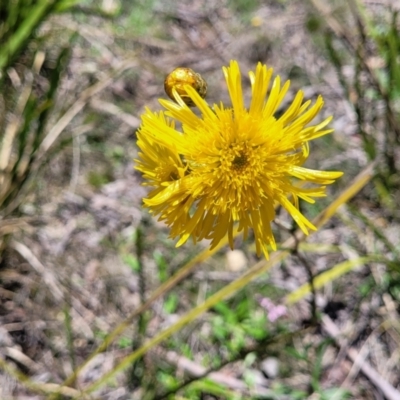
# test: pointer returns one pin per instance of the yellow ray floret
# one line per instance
(231, 165)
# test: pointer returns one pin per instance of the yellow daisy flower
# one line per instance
(231, 165)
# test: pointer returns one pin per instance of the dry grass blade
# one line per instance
(44, 388)
(48, 277)
(112, 109)
(80, 103)
(9, 142)
(11, 225)
(194, 369)
(330, 275)
(17, 147)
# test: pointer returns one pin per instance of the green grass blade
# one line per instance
(18, 40)
(329, 276)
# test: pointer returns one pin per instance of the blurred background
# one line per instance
(79, 254)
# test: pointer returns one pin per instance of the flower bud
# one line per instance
(178, 78)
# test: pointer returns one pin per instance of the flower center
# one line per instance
(239, 165)
(239, 162)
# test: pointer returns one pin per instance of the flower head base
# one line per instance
(231, 164)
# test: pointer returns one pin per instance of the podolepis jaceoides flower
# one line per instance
(231, 165)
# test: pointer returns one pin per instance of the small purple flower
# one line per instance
(273, 311)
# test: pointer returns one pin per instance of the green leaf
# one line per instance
(171, 303)
(132, 262)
